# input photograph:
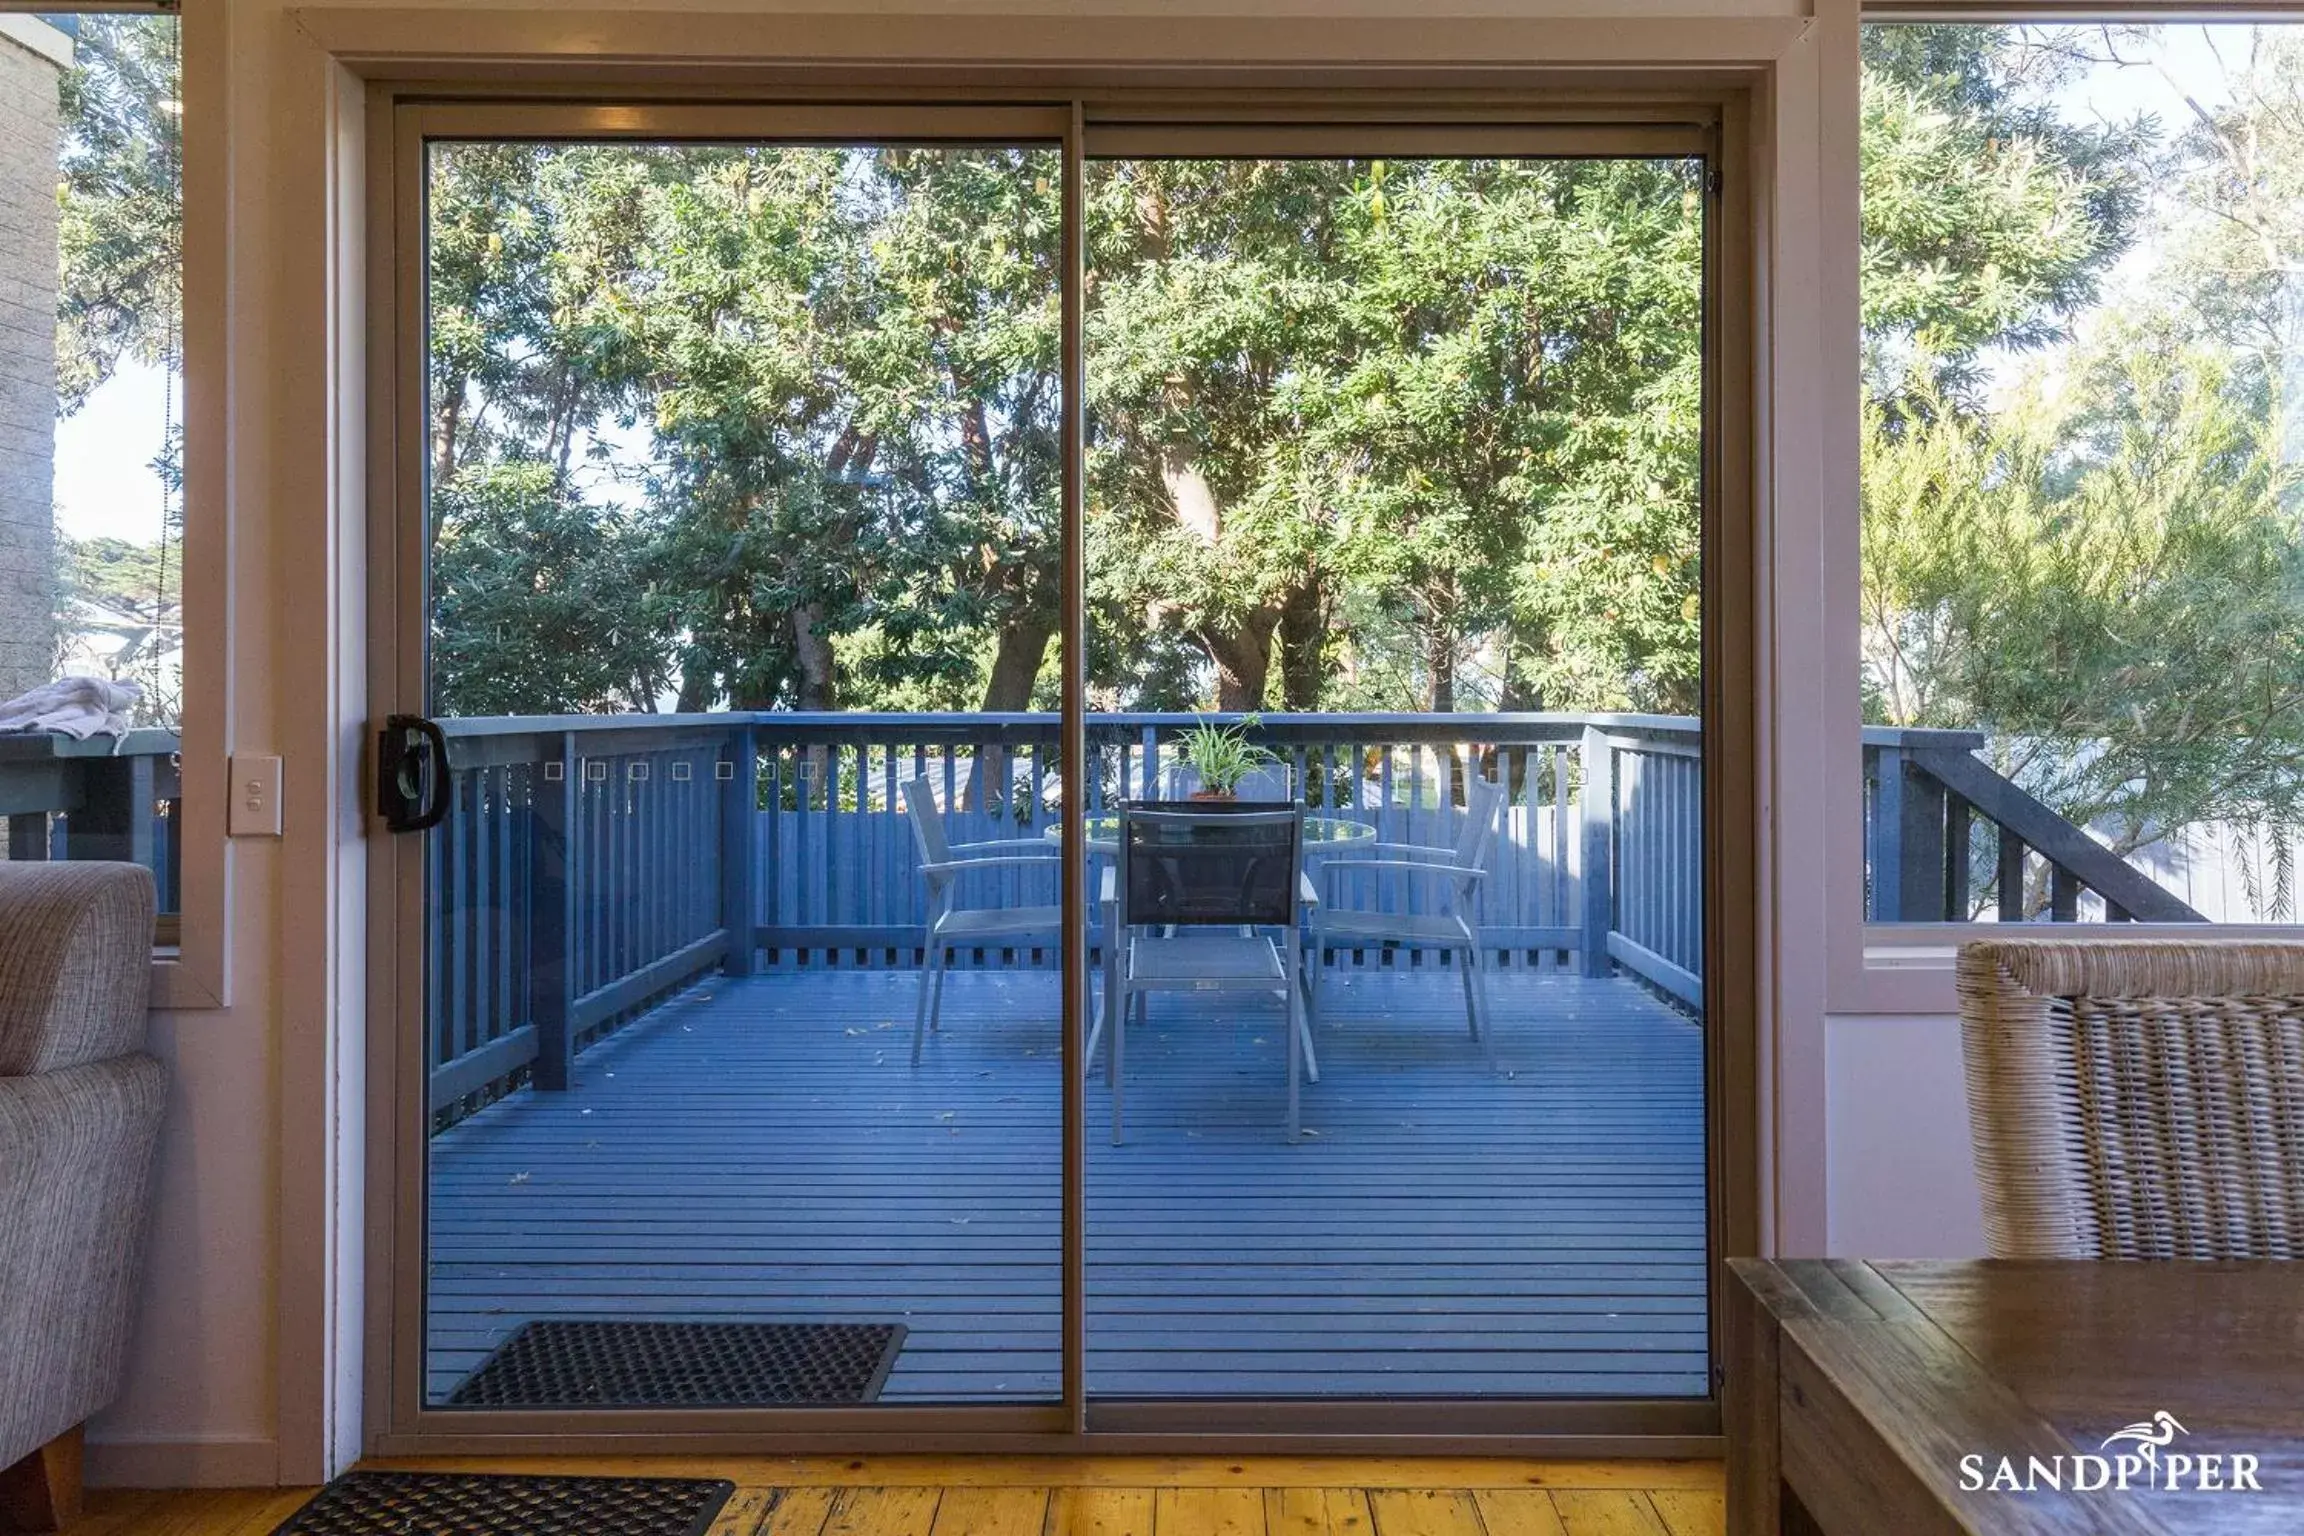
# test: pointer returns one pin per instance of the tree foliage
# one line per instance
(119, 204)
(1458, 399)
(2097, 562)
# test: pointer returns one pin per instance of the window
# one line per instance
(91, 444)
(2083, 466)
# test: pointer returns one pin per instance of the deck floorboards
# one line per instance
(764, 1149)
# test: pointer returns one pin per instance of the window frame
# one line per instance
(192, 974)
(1906, 969)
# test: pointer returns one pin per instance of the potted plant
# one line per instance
(1222, 755)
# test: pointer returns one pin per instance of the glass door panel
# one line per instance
(1395, 515)
(742, 478)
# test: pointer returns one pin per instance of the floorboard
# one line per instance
(1077, 1496)
(765, 1149)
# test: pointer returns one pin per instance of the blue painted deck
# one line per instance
(763, 1149)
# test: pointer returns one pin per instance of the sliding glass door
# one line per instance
(741, 493)
(1396, 480)
(1054, 771)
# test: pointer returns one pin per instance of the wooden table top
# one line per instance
(2051, 1359)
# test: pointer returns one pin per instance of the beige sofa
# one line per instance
(80, 1110)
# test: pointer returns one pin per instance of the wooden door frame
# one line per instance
(1745, 99)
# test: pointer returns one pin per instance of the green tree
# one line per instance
(119, 203)
(1456, 398)
(1989, 220)
(538, 602)
(2105, 578)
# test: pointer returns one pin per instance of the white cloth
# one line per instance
(78, 707)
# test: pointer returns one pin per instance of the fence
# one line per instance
(592, 865)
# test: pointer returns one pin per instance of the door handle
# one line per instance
(412, 783)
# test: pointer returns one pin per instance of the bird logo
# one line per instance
(2148, 1435)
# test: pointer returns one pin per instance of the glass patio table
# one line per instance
(1322, 834)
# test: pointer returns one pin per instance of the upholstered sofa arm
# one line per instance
(75, 1171)
(75, 963)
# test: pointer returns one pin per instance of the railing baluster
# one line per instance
(552, 919)
(739, 801)
(2010, 878)
(460, 1035)
(2063, 895)
(501, 918)
(1598, 809)
(1957, 822)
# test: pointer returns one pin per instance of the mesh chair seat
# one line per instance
(1208, 959)
(1417, 928)
(1195, 868)
(998, 922)
(2137, 1099)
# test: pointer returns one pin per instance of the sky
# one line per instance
(105, 485)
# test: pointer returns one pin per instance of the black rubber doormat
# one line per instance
(583, 1364)
(457, 1504)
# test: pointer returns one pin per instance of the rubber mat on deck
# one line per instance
(568, 1363)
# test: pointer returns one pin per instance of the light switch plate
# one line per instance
(255, 797)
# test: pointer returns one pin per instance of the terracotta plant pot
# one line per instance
(1213, 794)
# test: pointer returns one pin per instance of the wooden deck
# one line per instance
(764, 1149)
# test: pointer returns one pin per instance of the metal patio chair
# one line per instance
(1184, 873)
(950, 925)
(1455, 873)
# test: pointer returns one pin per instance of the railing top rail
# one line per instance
(42, 746)
(556, 725)
(1922, 737)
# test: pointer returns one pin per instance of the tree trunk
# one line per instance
(1243, 658)
(445, 425)
(1439, 633)
(1016, 663)
(696, 692)
(1440, 657)
(1303, 647)
(813, 652)
(1015, 667)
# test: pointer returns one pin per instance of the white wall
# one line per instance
(1899, 1183)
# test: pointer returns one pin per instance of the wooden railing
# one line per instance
(594, 865)
(838, 861)
(105, 798)
(1929, 801)
(591, 866)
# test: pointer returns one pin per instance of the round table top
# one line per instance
(1104, 831)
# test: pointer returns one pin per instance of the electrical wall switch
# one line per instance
(255, 797)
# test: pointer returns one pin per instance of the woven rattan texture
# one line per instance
(618, 1364)
(2137, 1100)
(445, 1504)
(2187, 1120)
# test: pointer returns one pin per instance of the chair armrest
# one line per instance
(1012, 844)
(962, 866)
(1408, 850)
(1407, 867)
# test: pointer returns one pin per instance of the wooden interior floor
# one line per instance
(1110, 1496)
